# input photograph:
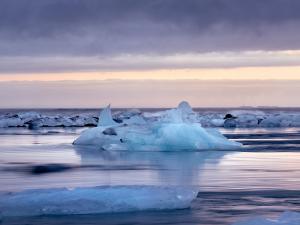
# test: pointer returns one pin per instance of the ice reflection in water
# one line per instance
(262, 180)
(170, 168)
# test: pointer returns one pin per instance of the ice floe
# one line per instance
(92, 200)
(242, 118)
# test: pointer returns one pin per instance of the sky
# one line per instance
(149, 53)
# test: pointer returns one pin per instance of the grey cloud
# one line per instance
(157, 26)
(10, 65)
(106, 28)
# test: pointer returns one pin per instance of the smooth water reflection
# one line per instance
(89, 166)
(260, 179)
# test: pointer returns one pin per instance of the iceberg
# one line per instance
(287, 218)
(92, 200)
(176, 129)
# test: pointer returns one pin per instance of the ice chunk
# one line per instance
(217, 122)
(182, 114)
(29, 116)
(105, 118)
(295, 120)
(174, 116)
(95, 136)
(247, 112)
(90, 121)
(185, 107)
(175, 131)
(245, 118)
(105, 199)
(230, 123)
(287, 218)
(184, 136)
(135, 120)
(127, 114)
(248, 120)
(11, 122)
(157, 114)
(271, 121)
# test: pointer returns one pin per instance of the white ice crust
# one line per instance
(287, 218)
(243, 118)
(92, 200)
(176, 129)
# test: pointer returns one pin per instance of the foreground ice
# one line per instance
(287, 218)
(106, 199)
(176, 129)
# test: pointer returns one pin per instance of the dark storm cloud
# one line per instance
(50, 28)
(146, 26)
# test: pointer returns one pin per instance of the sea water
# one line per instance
(261, 179)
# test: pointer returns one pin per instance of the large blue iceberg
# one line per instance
(172, 130)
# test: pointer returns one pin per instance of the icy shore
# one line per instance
(245, 118)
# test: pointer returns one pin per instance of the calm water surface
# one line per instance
(262, 179)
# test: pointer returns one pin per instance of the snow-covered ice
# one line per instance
(287, 218)
(91, 200)
(176, 129)
(243, 118)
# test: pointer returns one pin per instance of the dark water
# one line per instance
(262, 179)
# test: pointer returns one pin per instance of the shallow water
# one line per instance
(262, 179)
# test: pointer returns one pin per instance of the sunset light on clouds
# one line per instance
(244, 73)
(164, 41)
